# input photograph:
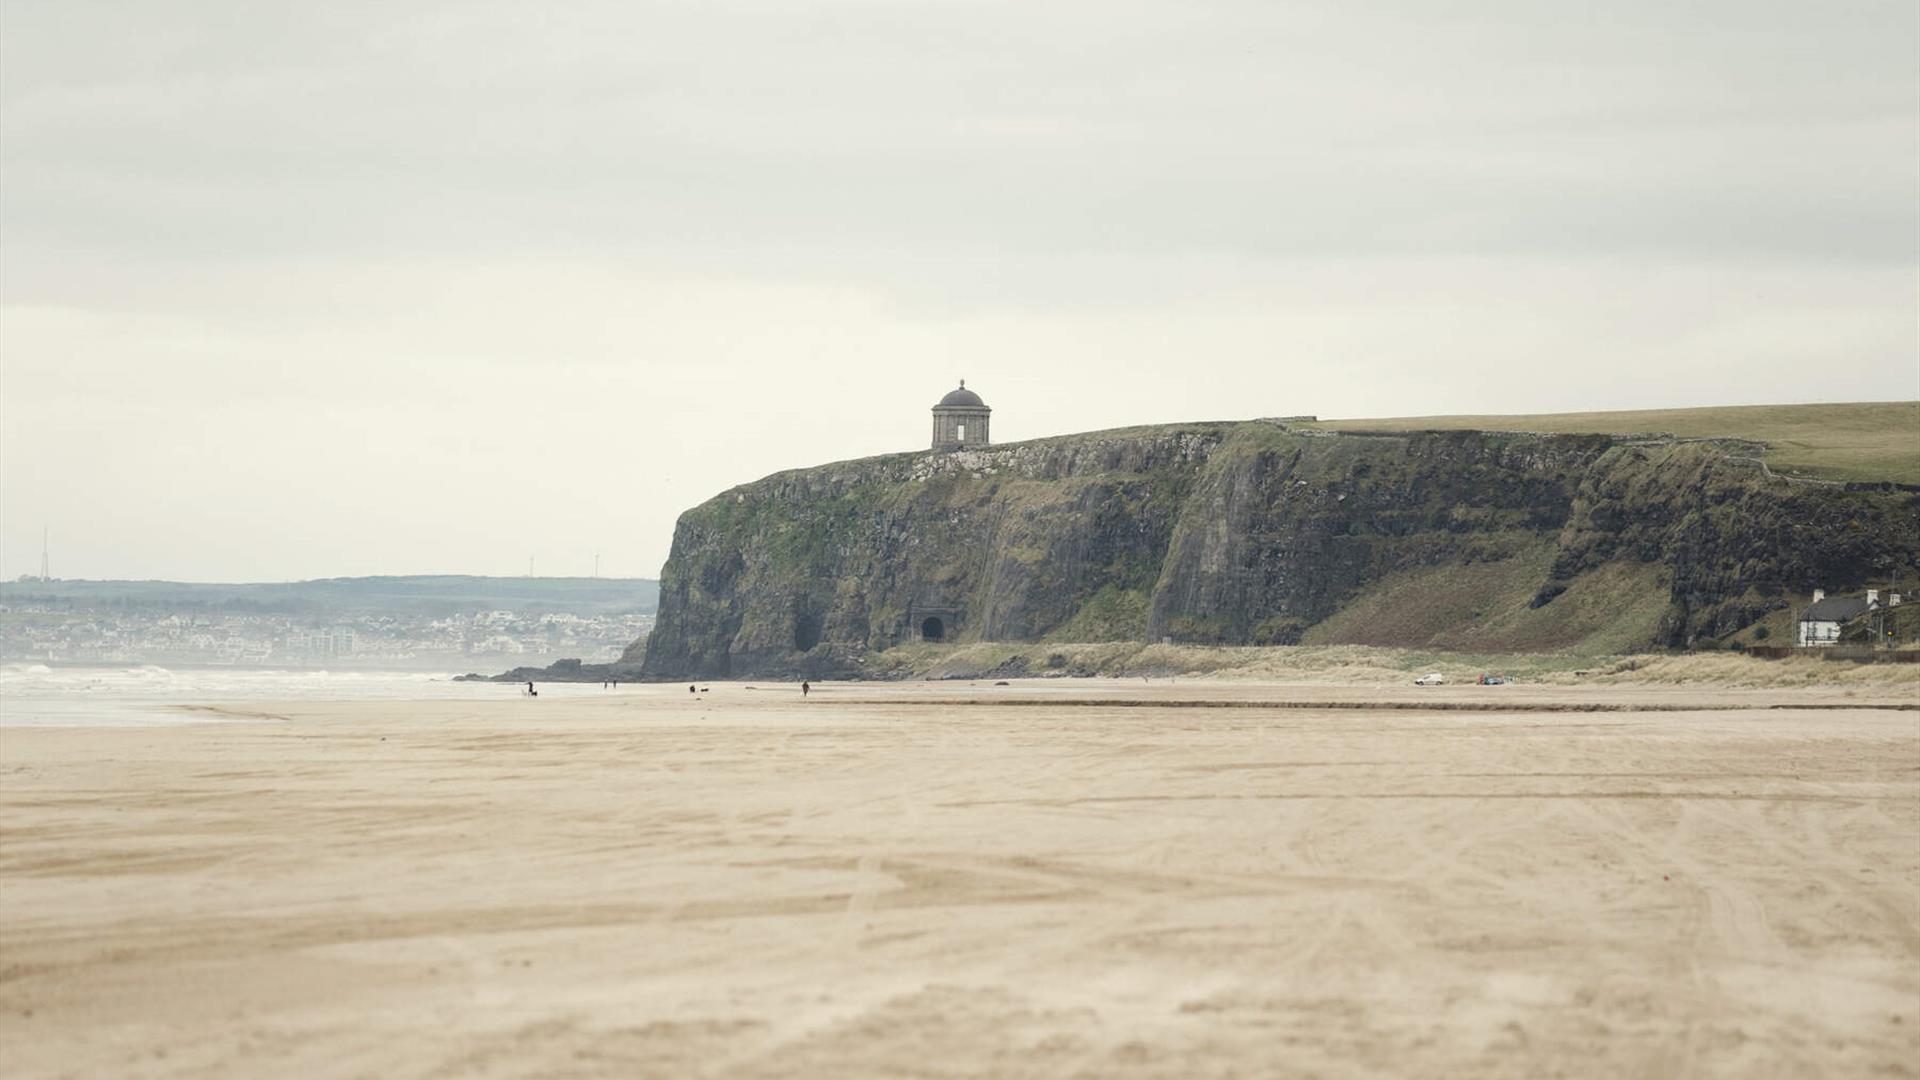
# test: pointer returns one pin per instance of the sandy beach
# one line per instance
(1080, 878)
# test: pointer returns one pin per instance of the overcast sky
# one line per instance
(316, 289)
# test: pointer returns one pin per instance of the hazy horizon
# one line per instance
(301, 292)
(32, 578)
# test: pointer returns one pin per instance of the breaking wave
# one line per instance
(40, 694)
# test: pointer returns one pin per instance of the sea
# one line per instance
(40, 695)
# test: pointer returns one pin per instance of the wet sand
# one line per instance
(887, 881)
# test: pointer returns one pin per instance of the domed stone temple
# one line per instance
(960, 420)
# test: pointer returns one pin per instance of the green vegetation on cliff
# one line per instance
(1265, 533)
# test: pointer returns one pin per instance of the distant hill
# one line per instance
(1874, 440)
(428, 594)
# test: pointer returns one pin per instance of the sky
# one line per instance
(309, 290)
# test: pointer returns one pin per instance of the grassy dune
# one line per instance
(1362, 665)
(1875, 440)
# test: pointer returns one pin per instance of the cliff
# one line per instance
(1261, 533)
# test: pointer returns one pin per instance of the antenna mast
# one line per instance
(44, 575)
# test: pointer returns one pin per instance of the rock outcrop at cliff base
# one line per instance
(1257, 533)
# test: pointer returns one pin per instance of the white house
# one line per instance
(1820, 623)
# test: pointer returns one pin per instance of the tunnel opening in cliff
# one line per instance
(807, 629)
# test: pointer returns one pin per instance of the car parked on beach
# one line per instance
(1431, 678)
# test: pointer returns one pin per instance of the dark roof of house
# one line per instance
(1834, 609)
(962, 396)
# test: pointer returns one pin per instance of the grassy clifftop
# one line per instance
(1863, 441)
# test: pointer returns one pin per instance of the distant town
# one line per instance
(372, 623)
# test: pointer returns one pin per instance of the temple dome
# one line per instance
(962, 396)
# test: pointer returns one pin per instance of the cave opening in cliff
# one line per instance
(933, 629)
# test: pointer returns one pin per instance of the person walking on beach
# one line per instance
(531, 692)
(806, 688)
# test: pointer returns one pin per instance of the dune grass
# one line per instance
(1875, 440)
(1363, 665)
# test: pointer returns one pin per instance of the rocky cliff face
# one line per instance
(1253, 533)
